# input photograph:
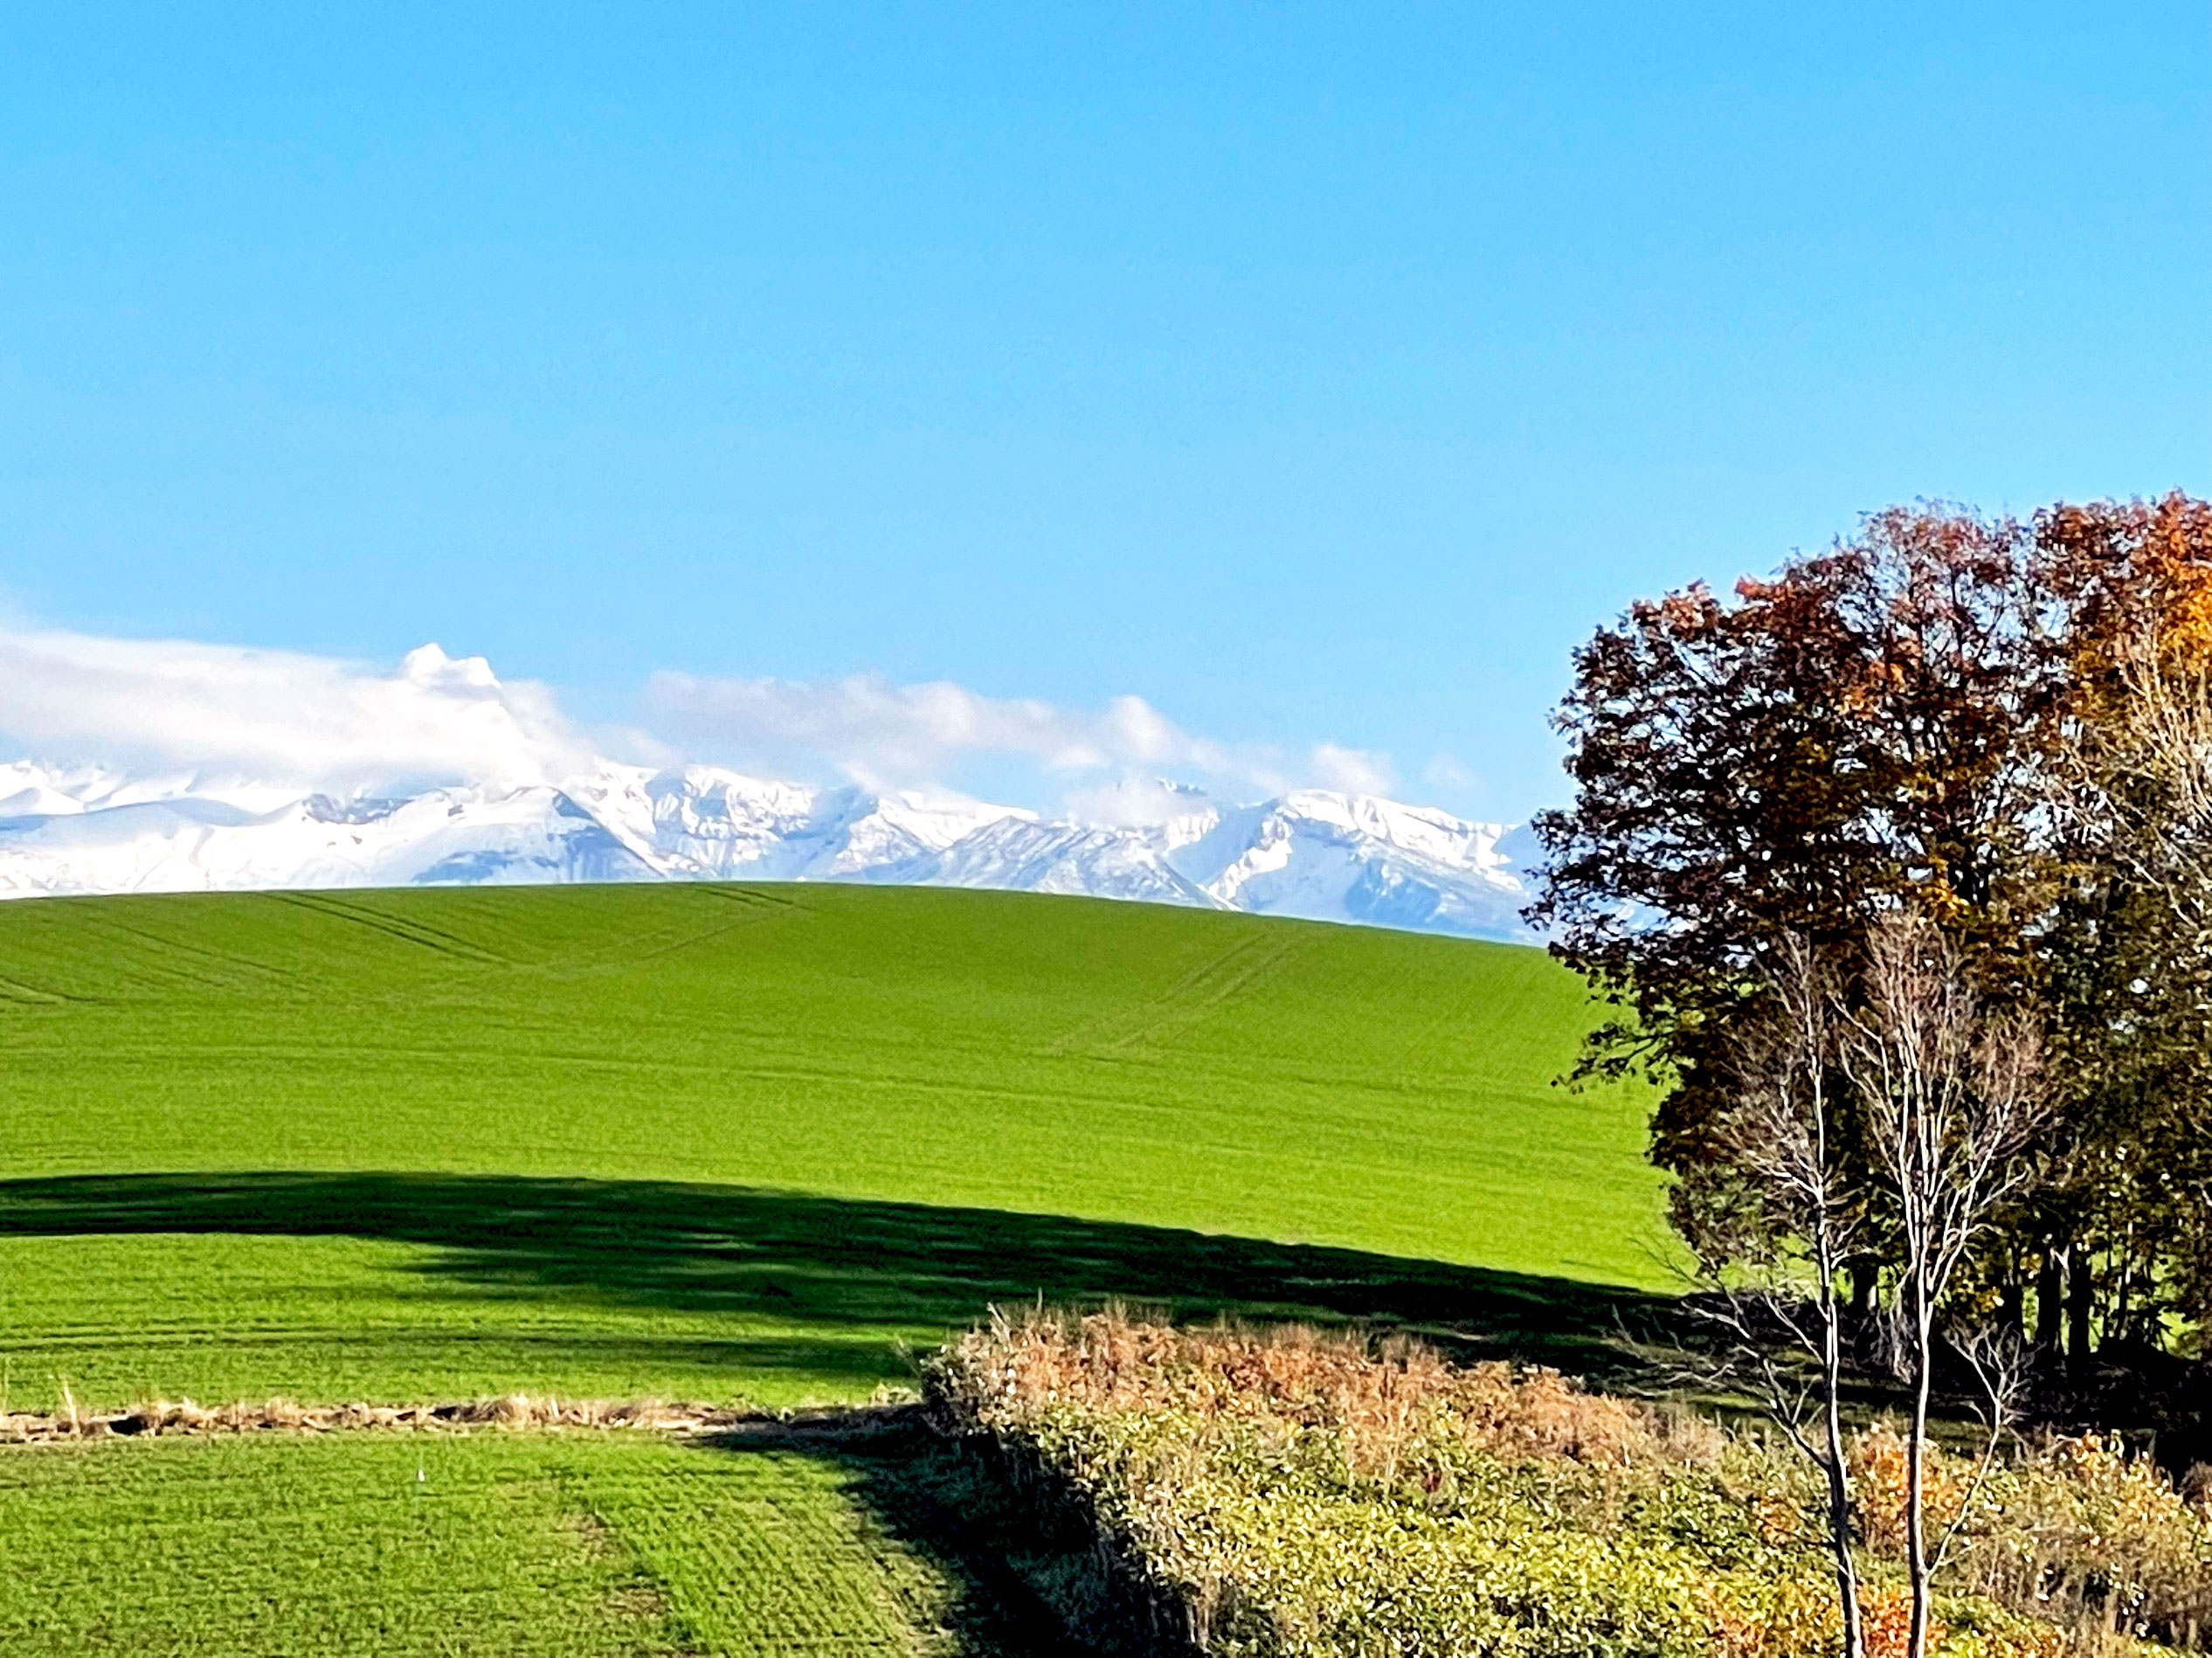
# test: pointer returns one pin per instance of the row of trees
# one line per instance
(1898, 872)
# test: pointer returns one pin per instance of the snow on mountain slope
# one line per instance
(1019, 854)
(30, 790)
(1336, 857)
(1316, 854)
(703, 823)
(191, 843)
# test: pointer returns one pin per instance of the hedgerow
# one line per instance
(1289, 1494)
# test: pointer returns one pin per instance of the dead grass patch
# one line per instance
(163, 1417)
(1383, 1397)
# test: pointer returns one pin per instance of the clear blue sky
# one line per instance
(1313, 373)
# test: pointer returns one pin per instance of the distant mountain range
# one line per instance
(1314, 853)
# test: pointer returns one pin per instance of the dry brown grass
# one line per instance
(2089, 1549)
(160, 1418)
(1384, 1396)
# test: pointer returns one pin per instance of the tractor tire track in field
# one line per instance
(750, 908)
(754, 911)
(25, 995)
(751, 897)
(163, 949)
(144, 962)
(753, 908)
(408, 932)
(1214, 982)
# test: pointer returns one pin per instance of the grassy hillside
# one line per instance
(1052, 1055)
(732, 1144)
(732, 1141)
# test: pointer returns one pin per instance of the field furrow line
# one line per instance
(417, 933)
(13, 989)
(1212, 985)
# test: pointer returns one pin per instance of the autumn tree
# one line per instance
(2005, 728)
(1869, 727)
(2132, 943)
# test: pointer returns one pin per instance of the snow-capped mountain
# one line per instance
(1321, 855)
(1339, 857)
(1022, 855)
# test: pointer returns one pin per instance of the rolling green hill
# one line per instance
(733, 1144)
(723, 1141)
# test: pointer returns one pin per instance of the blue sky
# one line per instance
(1319, 376)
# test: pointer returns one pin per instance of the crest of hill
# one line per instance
(1144, 1063)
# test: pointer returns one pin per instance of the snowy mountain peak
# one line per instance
(1313, 854)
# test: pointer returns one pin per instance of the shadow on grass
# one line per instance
(843, 1265)
(847, 1274)
(933, 1496)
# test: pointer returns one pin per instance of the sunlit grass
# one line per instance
(492, 1543)
(809, 1125)
(721, 1144)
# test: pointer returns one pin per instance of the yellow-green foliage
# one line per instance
(1302, 1496)
(2074, 1527)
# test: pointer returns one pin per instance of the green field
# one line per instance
(740, 1145)
(583, 1546)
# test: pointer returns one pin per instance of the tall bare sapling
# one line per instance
(1811, 1206)
(1953, 1097)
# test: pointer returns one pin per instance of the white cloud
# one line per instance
(885, 735)
(279, 716)
(291, 719)
(1131, 802)
(1353, 770)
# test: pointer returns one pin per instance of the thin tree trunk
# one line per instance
(2051, 1296)
(2116, 1326)
(1955, 1099)
(1839, 1487)
(1865, 1273)
(1839, 1492)
(1916, 1528)
(2081, 1291)
(1832, 1468)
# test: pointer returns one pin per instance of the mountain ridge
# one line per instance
(1316, 854)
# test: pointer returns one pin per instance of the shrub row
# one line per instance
(1295, 1495)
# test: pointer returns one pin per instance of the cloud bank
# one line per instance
(293, 719)
(889, 735)
(279, 716)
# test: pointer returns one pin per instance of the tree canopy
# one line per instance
(1999, 726)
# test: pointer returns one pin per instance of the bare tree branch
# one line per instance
(1953, 1097)
(1784, 1281)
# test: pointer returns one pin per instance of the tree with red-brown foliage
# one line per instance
(1896, 872)
(1869, 727)
(2002, 727)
